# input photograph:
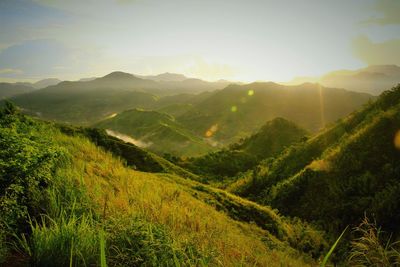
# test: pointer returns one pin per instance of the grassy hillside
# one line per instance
(237, 111)
(269, 141)
(158, 132)
(337, 177)
(66, 202)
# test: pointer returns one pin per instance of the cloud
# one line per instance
(389, 11)
(377, 53)
(10, 71)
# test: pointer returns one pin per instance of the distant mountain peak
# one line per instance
(119, 75)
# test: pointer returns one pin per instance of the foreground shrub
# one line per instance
(369, 249)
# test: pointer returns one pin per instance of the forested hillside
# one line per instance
(271, 139)
(239, 110)
(349, 171)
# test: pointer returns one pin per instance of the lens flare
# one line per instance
(250, 92)
(397, 140)
(234, 108)
(210, 132)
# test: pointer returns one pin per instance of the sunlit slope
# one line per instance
(237, 110)
(157, 131)
(341, 174)
(94, 205)
(271, 139)
(132, 155)
(178, 205)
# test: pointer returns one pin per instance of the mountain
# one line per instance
(239, 110)
(372, 79)
(156, 131)
(46, 82)
(271, 139)
(68, 201)
(334, 179)
(8, 90)
(85, 102)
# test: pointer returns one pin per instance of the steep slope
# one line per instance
(84, 206)
(8, 90)
(133, 156)
(336, 177)
(156, 131)
(269, 141)
(237, 111)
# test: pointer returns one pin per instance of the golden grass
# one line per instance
(120, 192)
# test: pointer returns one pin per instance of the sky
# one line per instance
(238, 40)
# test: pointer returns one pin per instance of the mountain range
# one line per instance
(372, 79)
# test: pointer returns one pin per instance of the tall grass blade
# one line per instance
(326, 258)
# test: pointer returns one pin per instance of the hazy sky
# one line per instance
(237, 39)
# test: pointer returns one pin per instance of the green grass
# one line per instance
(148, 219)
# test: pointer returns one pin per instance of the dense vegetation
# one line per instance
(77, 196)
(268, 142)
(65, 201)
(335, 178)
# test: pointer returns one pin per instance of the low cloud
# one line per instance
(128, 139)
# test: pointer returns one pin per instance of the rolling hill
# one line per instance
(271, 139)
(239, 110)
(70, 202)
(156, 131)
(344, 173)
